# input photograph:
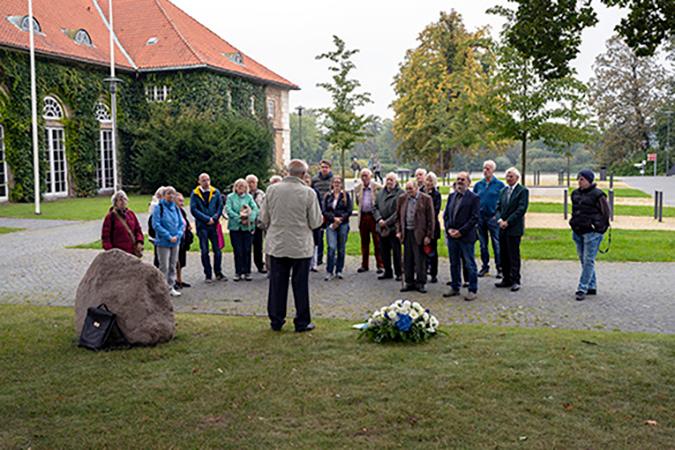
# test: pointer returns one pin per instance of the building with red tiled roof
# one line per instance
(154, 42)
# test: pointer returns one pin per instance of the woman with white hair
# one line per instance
(121, 228)
(241, 211)
(169, 228)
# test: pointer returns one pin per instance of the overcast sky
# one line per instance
(285, 36)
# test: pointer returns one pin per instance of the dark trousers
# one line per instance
(280, 270)
(489, 228)
(366, 229)
(509, 247)
(318, 236)
(208, 234)
(391, 245)
(414, 261)
(241, 245)
(258, 249)
(432, 259)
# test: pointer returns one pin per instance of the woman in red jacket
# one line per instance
(121, 228)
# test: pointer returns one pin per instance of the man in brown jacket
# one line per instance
(415, 228)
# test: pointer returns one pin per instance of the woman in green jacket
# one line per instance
(241, 212)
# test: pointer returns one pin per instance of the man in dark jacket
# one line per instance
(322, 183)
(511, 208)
(385, 217)
(415, 227)
(461, 218)
(589, 222)
(206, 206)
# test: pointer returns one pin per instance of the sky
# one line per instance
(285, 36)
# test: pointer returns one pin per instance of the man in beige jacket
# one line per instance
(289, 213)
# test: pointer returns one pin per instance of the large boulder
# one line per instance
(135, 291)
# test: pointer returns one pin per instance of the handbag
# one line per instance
(219, 233)
(138, 247)
(100, 330)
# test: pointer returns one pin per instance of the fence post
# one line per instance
(661, 206)
(656, 204)
(565, 201)
(611, 205)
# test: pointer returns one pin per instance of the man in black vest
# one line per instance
(589, 222)
(511, 208)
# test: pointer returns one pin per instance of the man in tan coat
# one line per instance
(289, 213)
(415, 228)
(365, 194)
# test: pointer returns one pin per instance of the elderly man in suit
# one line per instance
(511, 208)
(365, 195)
(415, 228)
(461, 218)
(289, 213)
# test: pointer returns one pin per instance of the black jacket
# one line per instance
(466, 219)
(342, 209)
(590, 211)
(514, 211)
(437, 200)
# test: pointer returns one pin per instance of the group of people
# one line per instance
(297, 211)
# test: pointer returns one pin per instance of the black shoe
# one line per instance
(484, 271)
(275, 328)
(221, 277)
(319, 262)
(503, 284)
(263, 270)
(465, 285)
(379, 271)
(177, 286)
(433, 280)
(314, 269)
(592, 292)
(421, 289)
(184, 284)
(499, 274)
(398, 278)
(451, 293)
(448, 283)
(580, 296)
(386, 276)
(362, 269)
(408, 288)
(308, 327)
(515, 287)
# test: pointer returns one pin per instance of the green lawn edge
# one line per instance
(7, 230)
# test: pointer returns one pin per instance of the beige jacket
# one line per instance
(289, 213)
(358, 194)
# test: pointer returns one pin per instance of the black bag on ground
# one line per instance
(100, 330)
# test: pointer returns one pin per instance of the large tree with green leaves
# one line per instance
(549, 31)
(344, 125)
(442, 92)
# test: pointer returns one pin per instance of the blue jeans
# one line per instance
(208, 234)
(588, 245)
(337, 242)
(462, 252)
(485, 227)
(241, 245)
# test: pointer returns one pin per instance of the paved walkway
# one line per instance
(651, 184)
(37, 268)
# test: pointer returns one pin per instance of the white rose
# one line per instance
(370, 322)
(414, 315)
(392, 315)
(407, 304)
(398, 303)
(433, 321)
(425, 316)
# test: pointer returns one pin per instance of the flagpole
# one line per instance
(113, 97)
(33, 100)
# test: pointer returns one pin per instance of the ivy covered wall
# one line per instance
(212, 96)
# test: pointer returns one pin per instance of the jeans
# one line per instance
(168, 256)
(337, 243)
(208, 234)
(241, 244)
(490, 227)
(462, 253)
(587, 248)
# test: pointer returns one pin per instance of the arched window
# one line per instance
(51, 109)
(83, 38)
(102, 113)
(25, 24)
(105, 171)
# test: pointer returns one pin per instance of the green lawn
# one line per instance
(92, 208)
(230, 382)
(5, 230)
(618, 192)
(619, 210)
(543, 243)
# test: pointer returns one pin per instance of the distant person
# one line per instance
(589, 222)
(322, 182)
(365, 194)
(289, 213)
(168, 225)
(206, 206)
(121, 228)
(274, 179)
(488, 189)
(510, 213)
(415, 228)
(185, 243)
(317, 233)
(386, 216)
(356, 167)
(377, 170)
(460, 218)
(431, 189)
(421, 177)
(159, 194)
(242, 212)
(337, 209)
(258, 236)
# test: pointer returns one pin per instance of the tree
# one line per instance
(345, 126)
(442, 90)
(626, 93)
(549, 31)
(313, 144)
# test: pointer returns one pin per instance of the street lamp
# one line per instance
(300, 109)
(113, 81)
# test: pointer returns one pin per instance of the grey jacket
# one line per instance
(289, 213)
(385, 207)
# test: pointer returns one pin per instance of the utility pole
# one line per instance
(33, 107)
(113, 81)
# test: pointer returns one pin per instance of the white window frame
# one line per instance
(252, 105)
(158, 94)
(104, 165)
(271, 108)
(50, 132)
(4, 180)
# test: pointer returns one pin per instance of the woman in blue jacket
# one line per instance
(337, 208)
(169, 226)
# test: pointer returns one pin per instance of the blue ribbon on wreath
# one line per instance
(404, 322)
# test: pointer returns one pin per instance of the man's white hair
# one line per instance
(514, 171)
(251, 177)
(297, 168)
(490, 163)
(391, 175)
(365, 170)
(275, 179)
(421, 170)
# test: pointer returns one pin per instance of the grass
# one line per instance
(542, 243)
(618, 192)
(5, 230)
(228, 382)
(93, 208)
(619, 210)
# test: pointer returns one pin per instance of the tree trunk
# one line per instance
(523, 154)
(342, 163)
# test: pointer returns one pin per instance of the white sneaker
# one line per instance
(174, 293)
(339, 275)
(328, 277)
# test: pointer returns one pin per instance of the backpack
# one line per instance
(151, 229)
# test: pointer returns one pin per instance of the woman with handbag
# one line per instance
(121, 228)
(337, 209)
(241, 212)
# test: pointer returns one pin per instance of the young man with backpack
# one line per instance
(589, 222)
(206, 206)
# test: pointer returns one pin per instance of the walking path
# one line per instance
(37, 268)
(651, 184)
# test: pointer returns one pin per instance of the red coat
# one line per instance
(115, 235)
